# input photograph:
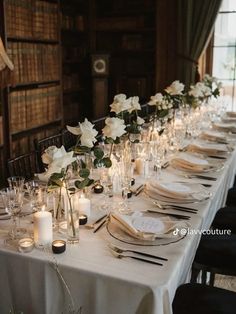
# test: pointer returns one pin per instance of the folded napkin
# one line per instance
(191, 163)
(148, 228)
(208, 148)
(213, 136)
(173, 190)
(226, 127)
(231, 114)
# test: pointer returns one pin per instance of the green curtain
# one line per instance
(196, 19)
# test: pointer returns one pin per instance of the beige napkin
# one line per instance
(190, 163)
(148, 228)
(226, 127)
(213, 136)
(174, 190)
(231, 114)
(208, 148)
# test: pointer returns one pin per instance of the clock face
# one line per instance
(99, 66)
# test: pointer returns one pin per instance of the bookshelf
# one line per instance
(126, 30)
(75, 39)
(32, 101)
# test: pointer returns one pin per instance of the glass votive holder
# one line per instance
(58, 246)
(25, 245)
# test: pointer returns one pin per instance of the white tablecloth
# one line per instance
(98, 282)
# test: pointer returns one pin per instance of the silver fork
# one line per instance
(176, 207)
(119, 250)
(119, 255)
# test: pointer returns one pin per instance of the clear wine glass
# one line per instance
(15, 201)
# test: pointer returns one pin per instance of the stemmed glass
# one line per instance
(106, 182)
(13, 203)
(16, 182)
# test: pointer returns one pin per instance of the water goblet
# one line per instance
(16, 182)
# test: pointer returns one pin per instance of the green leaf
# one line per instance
(109, 140)
(84, 173)
(91, 181)
(83, 184)
(96, 162)
(56, 176)
(117, 140)
(107, 162)
(98, 152)
(77, 184)
(56, 182)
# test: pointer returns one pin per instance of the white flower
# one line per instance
(120, 103)
(140, 120)
(88, 133)
(61, 163)
(175, 88)
(156, 99)
(51, 153)
(74, 129)
(196, 90)
(114, 128)
(134, 103)
(57, 159)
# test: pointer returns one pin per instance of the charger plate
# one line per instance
(119, 234)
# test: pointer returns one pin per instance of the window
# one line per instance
(224, 49)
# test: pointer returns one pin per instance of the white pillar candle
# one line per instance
(84, 205)
(42, 228)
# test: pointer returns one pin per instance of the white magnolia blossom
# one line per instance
(74, 129)
(176, 88)
(88, 134)
(196, 90)
(156, 99)
(120, 103)
(140, 120)
(114, 128)
(206, 91)
(51, 153)
(57, 159)
(134, 104)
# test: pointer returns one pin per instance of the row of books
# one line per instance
(34, 62)
(34, 107)
(74, 23)
(25, 144)
(32, 19)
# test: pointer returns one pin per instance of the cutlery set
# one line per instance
(137, 255)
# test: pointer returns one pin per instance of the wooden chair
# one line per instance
(25, 165)
(41, 145)
(197, 298)
(68, 139)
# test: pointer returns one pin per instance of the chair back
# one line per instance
(41, 145)
(68, 139)
(24, 165)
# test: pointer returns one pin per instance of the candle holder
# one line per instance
(98, 188)
(58, 246)
(83, 219)
(25, 245)
(132, 182)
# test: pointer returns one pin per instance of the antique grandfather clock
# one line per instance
(100, 73)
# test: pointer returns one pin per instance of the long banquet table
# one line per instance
(98, 282)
